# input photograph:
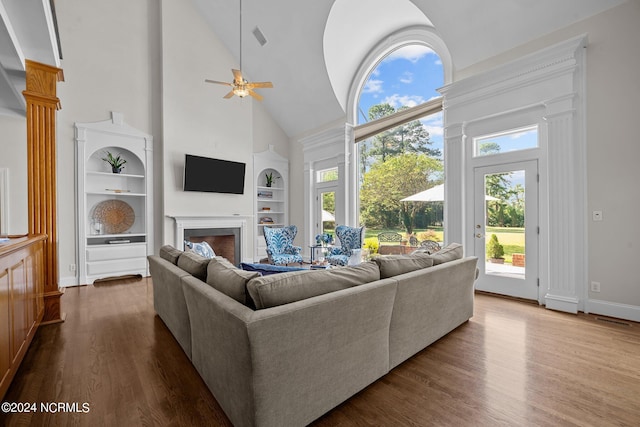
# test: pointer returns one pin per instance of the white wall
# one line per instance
(197, 120)
(13, 156)
(613, 151)
(110, 63)
(114, 60)
(296, 190)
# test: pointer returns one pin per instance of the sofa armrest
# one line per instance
(430, 303)
(168, 299)
(221, 353)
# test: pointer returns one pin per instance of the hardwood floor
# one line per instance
(512, 364)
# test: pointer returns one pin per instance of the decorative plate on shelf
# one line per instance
(115, 216)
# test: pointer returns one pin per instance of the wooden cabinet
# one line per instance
(115, 221)
(271, 206)
(21, 301)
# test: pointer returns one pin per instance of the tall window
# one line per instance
(405, 159)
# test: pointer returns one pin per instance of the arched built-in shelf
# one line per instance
(107, 250)
(271, 205)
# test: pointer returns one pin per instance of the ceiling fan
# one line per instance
(240, 86)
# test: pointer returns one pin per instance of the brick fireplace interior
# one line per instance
(224, 241)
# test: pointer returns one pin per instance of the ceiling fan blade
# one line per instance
(229, 95)
(260, 84)
(237, 75)
(217, 82)
(255, 95)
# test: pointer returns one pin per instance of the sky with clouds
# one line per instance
(411, 76)
(408, 76)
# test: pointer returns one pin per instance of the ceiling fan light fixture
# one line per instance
(241, 91)
(240, 87)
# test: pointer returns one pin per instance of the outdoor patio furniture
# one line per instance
(430, 246)
(280, 248)
(389, 237)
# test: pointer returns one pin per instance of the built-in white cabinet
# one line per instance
(115, 221)
(271, 206)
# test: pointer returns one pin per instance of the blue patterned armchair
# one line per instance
(280, 248)
(351, 238)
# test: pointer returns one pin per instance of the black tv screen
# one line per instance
(213, 175)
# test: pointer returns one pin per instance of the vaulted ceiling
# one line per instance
(313, 48)
(312, 78)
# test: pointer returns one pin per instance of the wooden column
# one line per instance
(42, 103)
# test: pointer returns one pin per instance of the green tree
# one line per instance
(387, 182)
(329, 201)
(411, 137)
(488, 147)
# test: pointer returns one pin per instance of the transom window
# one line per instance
(327, 175)
(508, 141)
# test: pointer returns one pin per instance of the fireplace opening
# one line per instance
(224, 241)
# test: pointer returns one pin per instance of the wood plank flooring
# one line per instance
(512, 364)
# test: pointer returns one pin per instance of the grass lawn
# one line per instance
(512, 239)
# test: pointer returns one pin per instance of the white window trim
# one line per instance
(419, 34)
(550, 85)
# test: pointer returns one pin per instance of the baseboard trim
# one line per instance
(613, 309)
(68, 281)
(561, 303)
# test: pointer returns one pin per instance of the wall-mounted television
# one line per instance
(213, 175)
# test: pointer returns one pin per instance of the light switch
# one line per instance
(597, 215)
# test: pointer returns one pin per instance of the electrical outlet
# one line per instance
(595, 286)
(72, 267)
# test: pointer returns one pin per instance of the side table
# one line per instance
(313, 249)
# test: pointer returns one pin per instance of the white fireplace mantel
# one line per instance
(198, 222)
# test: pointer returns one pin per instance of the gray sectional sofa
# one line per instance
(286, 348)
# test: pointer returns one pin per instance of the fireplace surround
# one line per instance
(227, 235)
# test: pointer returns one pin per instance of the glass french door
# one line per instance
(326, 205)
(506, 228)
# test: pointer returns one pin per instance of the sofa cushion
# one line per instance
(284, 288)
(450, 252)
(393, 265)
(231, 281)
(171, 254)
(194, 264)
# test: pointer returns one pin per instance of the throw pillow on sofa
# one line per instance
(393, 265)
(284, 288)
(231, 281)
(201, 248)
(194, 264)
(171, 254)
(451, 252)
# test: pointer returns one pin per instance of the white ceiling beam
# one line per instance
(11, 54)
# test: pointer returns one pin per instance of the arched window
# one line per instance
(400, 152)
(406, 77)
